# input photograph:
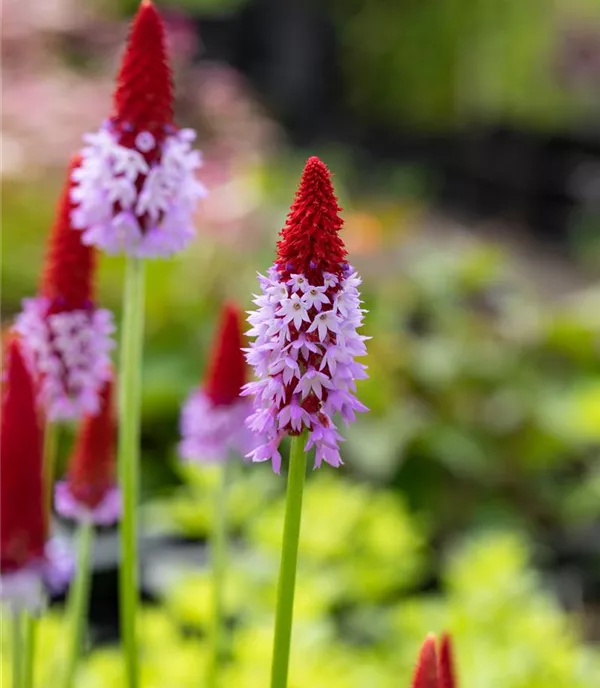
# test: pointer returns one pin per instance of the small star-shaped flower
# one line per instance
(315, 296)
(293, 310)
(325, 322)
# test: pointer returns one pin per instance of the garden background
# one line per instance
(464, 136)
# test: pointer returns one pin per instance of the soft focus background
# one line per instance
(465, 140)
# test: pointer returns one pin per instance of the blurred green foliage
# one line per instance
(485, 408)
(442, 62)
(508, 631)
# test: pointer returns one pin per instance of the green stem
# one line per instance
(132, 336)
(29, 651)
(17, 650)
(51, 433)
(218, 552)
(289, 560)
(78, 603)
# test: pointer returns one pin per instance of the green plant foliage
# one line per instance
(437, 63)
(491, 392)
(485, 409)
(508, 630)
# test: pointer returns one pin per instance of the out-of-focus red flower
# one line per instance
(446, 670)
(22, 518)
(92, 464)
(426, 671)
(227, 369)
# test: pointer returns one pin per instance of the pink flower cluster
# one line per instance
(70, 351)
(155, 201)
(303, 356)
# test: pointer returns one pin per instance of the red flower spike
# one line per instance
(426, 673)
(447, 674)
(22, 519)
(68, 278)
(143, 100)
(92, 464)
(227, 369)
(310, 243)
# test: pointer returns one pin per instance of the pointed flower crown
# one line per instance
(136, 189)
(435, 668)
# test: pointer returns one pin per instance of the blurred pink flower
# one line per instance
(183, 40)
(578, 57)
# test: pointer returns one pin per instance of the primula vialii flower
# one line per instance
(90, 491)
(136, 189)
(22, 518)
(213, 418)
(426, 671)
(435, 668)
(447, 673)
(306, 329)
(66, 338)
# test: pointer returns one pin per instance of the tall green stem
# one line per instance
(17, 649)
(29, 633)
(218, 552)
(132, 336)
(29, 621)
(289, 560)
(78, 604)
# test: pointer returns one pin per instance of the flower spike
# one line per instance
(213, 418)
(426, 672)
(446, 669)
(90, 490)
(136, 189)
(306, 329)
(65, 337)
(22, 518)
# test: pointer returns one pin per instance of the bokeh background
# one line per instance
(464, 136)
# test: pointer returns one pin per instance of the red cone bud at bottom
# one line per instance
(426, 672)
(22, 520)
(447, 674)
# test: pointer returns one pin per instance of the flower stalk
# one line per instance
(78, 604)
(129, 455)
(218, 552)
(29, 637)
(17, 649)
(289, 559)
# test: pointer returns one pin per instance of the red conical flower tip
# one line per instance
(92, 465)
(144, 97)
(68, 278)
(227, 369)
(22, 522)
(447, 673)
(426, 674)
(310, 243)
